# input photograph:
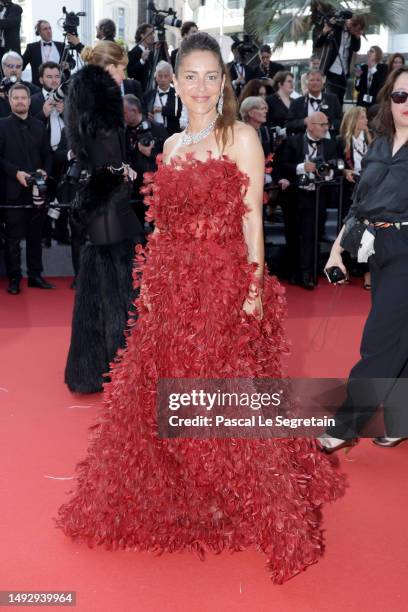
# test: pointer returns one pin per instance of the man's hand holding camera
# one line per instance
(23, 177)
(146, 150)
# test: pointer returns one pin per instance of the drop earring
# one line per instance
(220, 104)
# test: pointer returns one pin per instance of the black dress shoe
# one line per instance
(306, 282)
(14, 286)
(39, 282)
(388, 442)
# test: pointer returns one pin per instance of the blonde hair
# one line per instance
(348, 126)
(105, 53)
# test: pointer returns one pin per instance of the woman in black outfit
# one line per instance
(95, 127)
(381, 201)
(279, 102)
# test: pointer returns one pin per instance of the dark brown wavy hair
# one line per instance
(384, 121)
(392, 58)
(251, 89)
(201, 41)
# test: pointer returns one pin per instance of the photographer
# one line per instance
(338, 40)
(24, 149)
(266, 69)
(10, 22)
(140, 57)
(106, 30)
(161, 104)
(144, 141)
(302, 155)
(240, 74)
(43, 51)
(315, 100)
(12, 65)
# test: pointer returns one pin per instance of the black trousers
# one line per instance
(380, 377)
(305, 207)
(23, 223)
(336, 84)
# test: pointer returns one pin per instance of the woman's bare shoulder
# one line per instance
(170, 145)
(245, 139)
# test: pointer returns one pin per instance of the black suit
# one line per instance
(32, 55)
(277, 111)
(269, 73)
(248, 74)
(171, 110)
(298, 111)
(10, 24)
(300, 216)
(131, 86)
(378, 80)
(137, 70)
(23, 146)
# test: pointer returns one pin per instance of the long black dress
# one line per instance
(104, 285)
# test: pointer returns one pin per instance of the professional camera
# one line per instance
(58, 95)
(6, 83)
(245, 46)
(71, 21)
(161, 18)
(325, 13)
(143, 133)
(37, 179)
(323, 169)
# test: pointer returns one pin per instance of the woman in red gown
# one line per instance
(205, 311)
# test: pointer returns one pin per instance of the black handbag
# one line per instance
(353, 232)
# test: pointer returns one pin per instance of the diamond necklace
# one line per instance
(189, 139)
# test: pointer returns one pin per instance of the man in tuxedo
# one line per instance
(337, 44)
(140, 57)
(298, 158)
(161, 104)
(304, 106)
(188, 28)
(240, 73)
(24, 148)
(267, 69)
(51, 113)
(43, 51)
(10, 22)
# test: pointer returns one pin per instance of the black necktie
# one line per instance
(47, 44)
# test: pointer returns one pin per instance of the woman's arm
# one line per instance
(250, 159)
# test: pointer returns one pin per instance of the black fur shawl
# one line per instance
(94, 104)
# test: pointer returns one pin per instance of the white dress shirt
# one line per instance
(56, 124)
(160, 101)
(49, 53)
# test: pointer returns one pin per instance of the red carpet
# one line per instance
(43, 432)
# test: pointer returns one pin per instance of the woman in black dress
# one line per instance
(95, 127)
(380, 209)
(279, 102)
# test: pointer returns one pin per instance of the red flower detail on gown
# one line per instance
(137, 491)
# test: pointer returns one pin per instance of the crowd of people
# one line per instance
(304, 131)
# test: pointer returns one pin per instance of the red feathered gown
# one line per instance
(137, 491)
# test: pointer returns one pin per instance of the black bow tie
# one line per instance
(313, 143)
(317, 100)
(47, 44)
(163, 93)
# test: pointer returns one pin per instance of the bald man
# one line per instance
(300, 157)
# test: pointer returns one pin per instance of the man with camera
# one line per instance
(25, 162)
(267, 69)
(188, 28)
(306, 160)
(338, 40)
(315, 100)
(12, 65)
(10, 22)
(43, 51)
(144, 141)
(240, 73)
(140, 57)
